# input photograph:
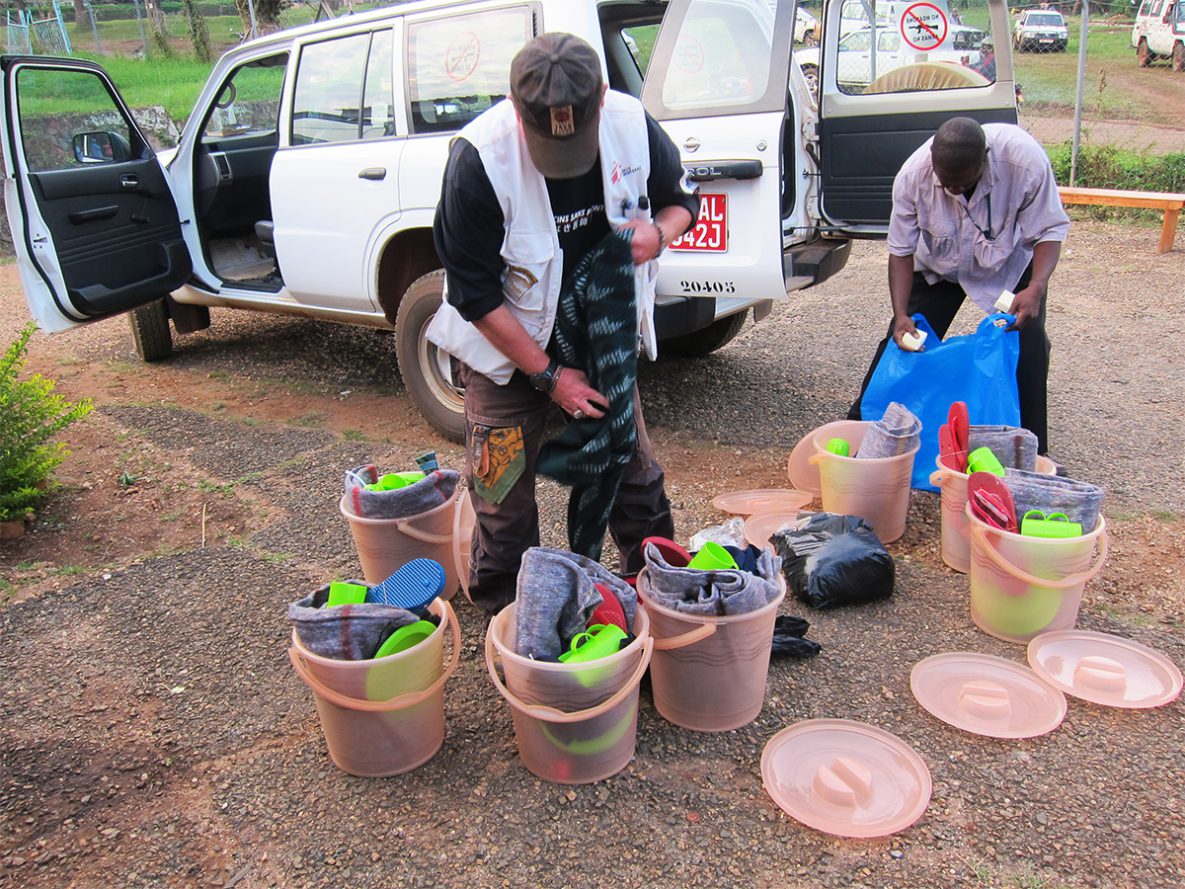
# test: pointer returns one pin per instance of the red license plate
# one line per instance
(710, 232)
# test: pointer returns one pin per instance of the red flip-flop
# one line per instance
(960, 426)
(991, 501)
(952, 457)
(675, 555)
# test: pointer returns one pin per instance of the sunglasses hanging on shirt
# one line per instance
(987, 233)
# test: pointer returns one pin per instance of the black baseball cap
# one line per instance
(556, 85)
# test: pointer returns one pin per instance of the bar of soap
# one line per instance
(913, 342)
(1004, 301)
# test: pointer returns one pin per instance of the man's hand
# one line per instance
(645, 244)
(573, 394)
(903, 324)
(1027, 305)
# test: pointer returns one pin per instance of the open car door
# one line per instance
(717, 82)
(871, 120)
(94, 224)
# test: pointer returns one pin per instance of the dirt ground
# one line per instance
(154, 734)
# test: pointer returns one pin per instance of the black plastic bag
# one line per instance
(831, 560)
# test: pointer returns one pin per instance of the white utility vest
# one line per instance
(531, 246)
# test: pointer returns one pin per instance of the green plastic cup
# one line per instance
(405, 637)
(839, 446)
(983, 460)
(342, 593)
(712, 557)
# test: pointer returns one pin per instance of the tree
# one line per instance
(156, 21)
(80, 13)
(267, 15)
(198, 32)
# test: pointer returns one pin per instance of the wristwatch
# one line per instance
(545, 380)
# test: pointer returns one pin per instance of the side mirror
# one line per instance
(101, 148)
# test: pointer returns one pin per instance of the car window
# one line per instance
(378, 94)
(69, 119)
(640, 42)
(459, 66)
(1045, 20)
(327, 104)
(888, 41)
(249, 102)
(858, 42)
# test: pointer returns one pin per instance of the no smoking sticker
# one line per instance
(460, 59)
(924, 26)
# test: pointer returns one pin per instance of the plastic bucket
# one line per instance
(709, 672)
(575, 723)
(382, 716)
(956, 536)
(386, 545)
(877, 490)
(1023, 586)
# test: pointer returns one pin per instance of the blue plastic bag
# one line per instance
(979, 369)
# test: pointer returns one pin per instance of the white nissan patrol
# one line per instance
(307, 175)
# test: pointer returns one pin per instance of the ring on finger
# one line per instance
(578, 414)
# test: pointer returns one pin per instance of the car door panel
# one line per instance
(864, 136)
(723, 98)
(95, 234)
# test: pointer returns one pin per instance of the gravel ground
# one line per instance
(154, 734)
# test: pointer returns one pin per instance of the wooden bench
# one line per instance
(1171, 204)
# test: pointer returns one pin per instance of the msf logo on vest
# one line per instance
(618, 172)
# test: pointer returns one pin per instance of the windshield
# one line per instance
(1047, 19)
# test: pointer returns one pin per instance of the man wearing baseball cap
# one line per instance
(532, 186)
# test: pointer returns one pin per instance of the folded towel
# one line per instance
(429, 492)
(1014, 447)
(556, 596)
(1080, 501)
(729, 591)
(897, 432)
(344, 632)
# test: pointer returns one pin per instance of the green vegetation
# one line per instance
(33, 414)
(1105, 166)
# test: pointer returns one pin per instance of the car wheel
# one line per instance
(425, 368)
(151, 336)
(811, 74)
(1143, 54)
(1179, 57)
(699, 343)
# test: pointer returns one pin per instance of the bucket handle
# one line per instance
(703, 631)
(936, 478)
(1023, 576)
(399, 702)
(423, 536)
(551, 714)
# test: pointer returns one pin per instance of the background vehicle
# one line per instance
(307, 176)
(1040, 30)
(1159, 32)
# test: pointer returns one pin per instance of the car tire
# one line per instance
(151, 336)
(811, 74)
(425, 369)
(1143, 54)
(1179, 57)
(699, 343)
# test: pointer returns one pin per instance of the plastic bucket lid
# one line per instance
(760, 528)
(845, 778)
(804, 474)
(876, 489)
(987, 695)
(1105, 669)
(464, 523)
(956, 536)
(386, 545)
(709, 672)
(763, 500)
(383, 716)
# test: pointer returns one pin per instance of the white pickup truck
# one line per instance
(307, 176)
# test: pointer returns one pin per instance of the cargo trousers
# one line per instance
(504, 430)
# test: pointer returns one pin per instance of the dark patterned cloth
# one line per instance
(596, 331)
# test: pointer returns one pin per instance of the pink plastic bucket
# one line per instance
(956, 535)
(709, 672)
(386, 545)
(575, 723)
(382, 716)
(1024, 586)
(877, 490)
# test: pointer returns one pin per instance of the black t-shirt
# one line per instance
(469, 226)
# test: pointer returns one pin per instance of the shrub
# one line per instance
(30, 416)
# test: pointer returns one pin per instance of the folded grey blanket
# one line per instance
(710, 592)
(1080, 501)
(1014, 447)
(345, 632)
(429, 492)
(556, 595)
(897, 432)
